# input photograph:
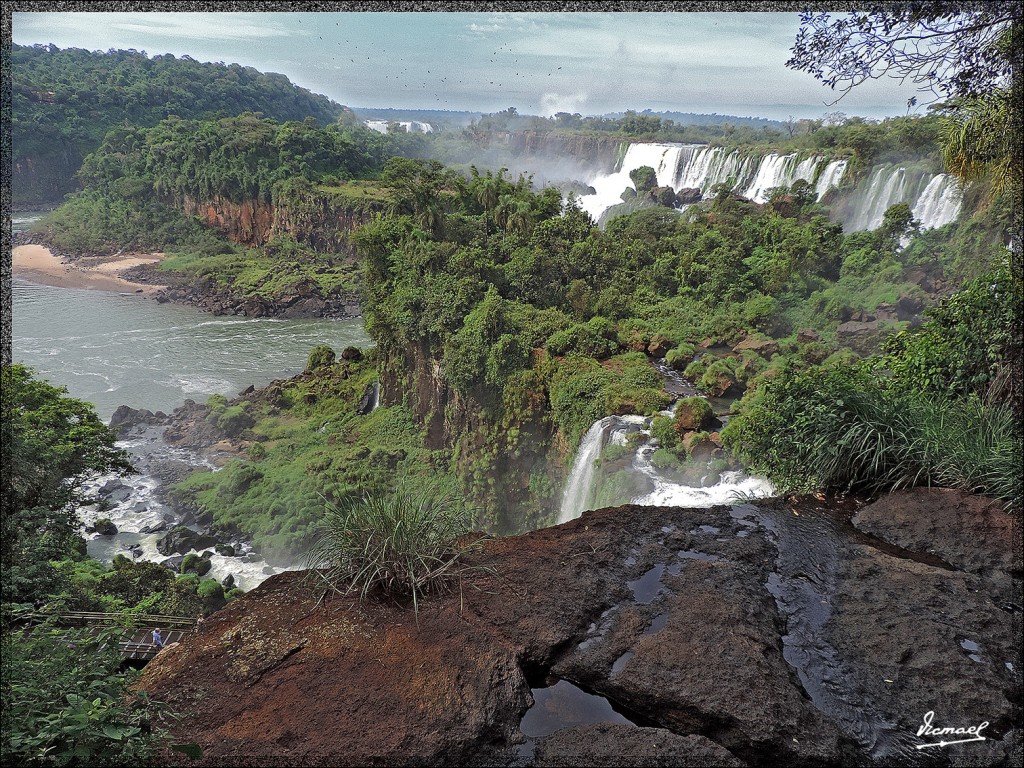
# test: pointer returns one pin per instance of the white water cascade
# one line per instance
(885, 188)
(576, 496)
(702, 167)
(934, 199)
(779, 171)
(830, 177)
(660, 488)
(940, 202)
(663, 158)
(698, 166)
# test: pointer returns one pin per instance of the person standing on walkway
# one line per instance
(158, 640)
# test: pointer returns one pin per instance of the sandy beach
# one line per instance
(37, 264)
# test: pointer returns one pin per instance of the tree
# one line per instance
(944, 49)
(51, 444)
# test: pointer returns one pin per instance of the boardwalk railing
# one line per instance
(86, 618)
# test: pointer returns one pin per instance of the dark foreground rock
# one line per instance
(761, 634)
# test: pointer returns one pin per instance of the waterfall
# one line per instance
(884, 189)
(663, 158)
(660, 489)
(576, 495)
(779, 171)
(375, 402)
(935, 200)
(698, 166)
(940, 202)
(702, 167)
(830, 177)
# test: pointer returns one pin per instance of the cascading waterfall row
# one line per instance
(934, 198)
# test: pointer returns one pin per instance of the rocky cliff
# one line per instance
(497, 456)
(748, 635)
(320, 220)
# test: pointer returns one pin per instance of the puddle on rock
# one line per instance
(693, 554)
(562, 706)
(973, 650)
(657, 625)
(648, 587)
(708, 529)
(621, 662)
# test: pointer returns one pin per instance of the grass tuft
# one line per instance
(405, 545)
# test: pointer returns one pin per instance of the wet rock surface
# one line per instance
(757, 634)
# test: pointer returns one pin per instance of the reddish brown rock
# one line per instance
(659, 346)
(689, 621)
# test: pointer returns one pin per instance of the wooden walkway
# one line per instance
(135, 644)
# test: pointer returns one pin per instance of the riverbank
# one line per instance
(38, 264)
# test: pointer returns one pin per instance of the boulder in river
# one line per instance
(182, 539)
(103, 526)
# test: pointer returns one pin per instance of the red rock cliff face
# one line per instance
(319, 223)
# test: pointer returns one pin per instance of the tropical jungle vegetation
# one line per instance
(505, 323)
(65, 101)
(65, 697)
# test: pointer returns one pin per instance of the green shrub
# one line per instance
(842, 429)
(234, 420)
(193, 563)
(613, 452)
(664, 432)
(595, 338)
(664, 459)
(211, 592)
(407, 544)
(680, 356)
(67, 703)
(692, 413)
(321, 356)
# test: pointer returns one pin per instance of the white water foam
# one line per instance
(940, 202)
(663, 158)
(830, 177)
(578, 493)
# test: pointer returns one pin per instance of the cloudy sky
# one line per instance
(541, 63)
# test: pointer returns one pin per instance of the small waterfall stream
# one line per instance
(650, 485)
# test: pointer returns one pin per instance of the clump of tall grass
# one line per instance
(844, 430)
(403, 545)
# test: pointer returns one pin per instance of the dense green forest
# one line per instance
(63, 102)
(541, 323)
(505, 323)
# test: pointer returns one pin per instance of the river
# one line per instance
(112, 349)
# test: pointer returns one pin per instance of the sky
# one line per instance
(540, 63)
